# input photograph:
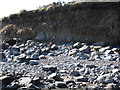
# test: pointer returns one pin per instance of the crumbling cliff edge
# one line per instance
(84, 22)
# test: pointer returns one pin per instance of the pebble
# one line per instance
(60, 84)
(49, 68)
(35, 65)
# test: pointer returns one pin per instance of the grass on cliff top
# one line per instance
(47, 7)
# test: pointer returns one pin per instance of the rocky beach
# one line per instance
(73, 46)
(45, 66)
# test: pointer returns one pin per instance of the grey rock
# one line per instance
(77, 45)
(85, 49)
(24, 81)
(4, 46)
(41, 36)
(55, 76)
(13, 86)
(29, 42)
(35, 56)
(60, 84)
(33, 62)
(42, 57)
(109, 52)
(2, 56)
(22, 57)
(49, 68)
(68, 81)
(54, 47)
(106, 78)
(111, 86)
(90, 66)
(81, 79)
(104, 49)
(79, 65)
(75, 73)
(51, 86)
(72, 52)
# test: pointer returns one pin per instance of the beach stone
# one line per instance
(49, 68)
(22, 57)
(55, 76)
(79, 65)
(13, 86)
(77, 45)
(24, 81)
(4, 46)
(72, 52)
(85, 49)
(54, 47)
(29, 42)
(60, 84)
(81, 79)
(105, 78)
(109, 52)
(75, 73)
(51, 86)
(11, 42)
(5, 79)
(42, 57)
(103, 49)
(90, 66)
(35, 56)
(111, 86)
(33, 62)
(68, 81)
(2, 55)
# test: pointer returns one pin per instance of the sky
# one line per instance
(8, 7)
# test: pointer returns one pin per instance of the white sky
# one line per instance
(8, 7)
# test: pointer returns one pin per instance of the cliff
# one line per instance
(88, 22)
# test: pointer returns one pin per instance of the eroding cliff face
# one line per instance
(84, 22)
